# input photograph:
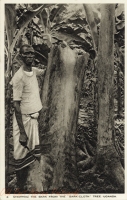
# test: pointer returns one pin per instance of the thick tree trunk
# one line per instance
(58, 119)
(107, 156)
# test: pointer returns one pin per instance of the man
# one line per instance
(27, 105)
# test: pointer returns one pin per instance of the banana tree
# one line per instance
(107, 157)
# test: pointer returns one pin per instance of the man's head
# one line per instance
(27, 54)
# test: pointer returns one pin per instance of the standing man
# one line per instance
(27, 105)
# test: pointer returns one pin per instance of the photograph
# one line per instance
(64, 99)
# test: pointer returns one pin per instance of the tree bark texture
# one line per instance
(107, 154)
(7, 135)
(34, 179)
(8, 92)
(119, 99)
(58, 119)
(10, 24)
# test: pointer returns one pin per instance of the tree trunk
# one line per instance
(107, 156)
(58, 119)
(119, 99)
(92, 24)
(10, 15)
(7, 131)
(8, 93)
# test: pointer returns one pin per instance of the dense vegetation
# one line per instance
(67, 23)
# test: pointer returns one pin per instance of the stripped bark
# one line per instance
(58, 120)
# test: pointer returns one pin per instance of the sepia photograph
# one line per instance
(64, 94)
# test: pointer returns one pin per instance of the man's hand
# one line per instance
(44, 70)
(23, 136)
(23, 139)
(63, 44)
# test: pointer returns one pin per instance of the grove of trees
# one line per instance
(81, 124)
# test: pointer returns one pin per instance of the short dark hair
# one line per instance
(24, 45)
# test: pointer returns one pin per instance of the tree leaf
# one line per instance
(120, 25)
(119, 10)
(6, 50)
(62, 36)
(71, 28)
(44, 15)
(55, 12)
(25, 23)
(10, 16)
(78, 20)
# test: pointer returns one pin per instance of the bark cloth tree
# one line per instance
(58, 118)
(60, 111)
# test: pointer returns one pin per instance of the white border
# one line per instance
(2, 111)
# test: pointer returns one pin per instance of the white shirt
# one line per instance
(26, 90)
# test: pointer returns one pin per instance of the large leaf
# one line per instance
(25, 23)
(36, 28)
(119, 10)
(56, 11)
(92, 24)
(10, 22)
(6, 50)
(45, 16)
(72, 28)
(78, 20)
(69, 38)
(35, 6)
(120, 25)
(73, 10)
(10, 16)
